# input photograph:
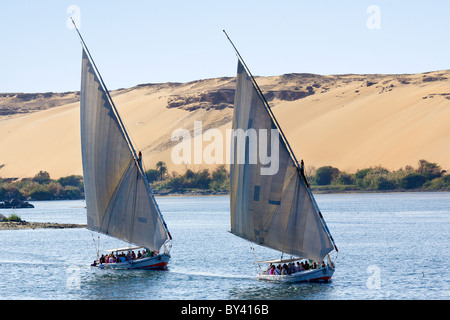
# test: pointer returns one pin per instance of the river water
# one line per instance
(392, 246)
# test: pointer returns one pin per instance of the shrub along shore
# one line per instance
(427, 176)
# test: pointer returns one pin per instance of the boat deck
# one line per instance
(314, 275)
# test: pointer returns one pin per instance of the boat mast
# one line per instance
(137, 159)
(300, 170)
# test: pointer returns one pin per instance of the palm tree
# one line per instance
(162, 169)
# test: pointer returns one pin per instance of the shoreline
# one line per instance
(314, 191)
(226, 193)
(190, 193)
(18, 225)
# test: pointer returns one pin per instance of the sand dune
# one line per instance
(347, 121)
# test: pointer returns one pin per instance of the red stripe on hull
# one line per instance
(320, 279)
(158, 265)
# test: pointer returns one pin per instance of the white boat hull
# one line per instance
(157, 262)
(312, 275)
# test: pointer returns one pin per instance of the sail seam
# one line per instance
(121, 125)
(119, 184)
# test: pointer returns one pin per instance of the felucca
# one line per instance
(273, 207)
(119, 201)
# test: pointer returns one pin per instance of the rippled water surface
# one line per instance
(391, 246)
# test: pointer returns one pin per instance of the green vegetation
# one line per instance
(427, 176)
(324, 175)
(42, 187)
(161, 182)
(12, 218)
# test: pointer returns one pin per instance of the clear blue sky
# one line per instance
(138, 41)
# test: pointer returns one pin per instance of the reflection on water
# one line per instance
(117, 284)
(281, 291)
(381, 232)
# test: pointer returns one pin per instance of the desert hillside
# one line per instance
(347, 121)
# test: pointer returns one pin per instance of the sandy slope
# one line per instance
(347, 121)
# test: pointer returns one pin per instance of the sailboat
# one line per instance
(119, 201)
(273, 208)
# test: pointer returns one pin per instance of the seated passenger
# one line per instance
(278, 270)
(306, 265)
(272, 270)
(284, 270)
(292, 268)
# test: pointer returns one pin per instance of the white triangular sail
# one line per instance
(274, 210)
(118, 200)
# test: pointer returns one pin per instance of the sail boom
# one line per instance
(279, 260)
(262, 244)
(285, 250)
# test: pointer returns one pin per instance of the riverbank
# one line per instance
(15, 225)
(338, 190)
(199, 192)
(314, 190)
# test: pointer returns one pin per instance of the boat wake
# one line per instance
(30, 263)
(208, 274)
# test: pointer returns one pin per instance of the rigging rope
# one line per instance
(256, 258)
(95, 245)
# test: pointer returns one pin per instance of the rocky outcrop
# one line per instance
(19, 103)
(13, 225)
(15, 204)
(218, 93)
(433, 78)
(288, 95)
(224, 98)
(217, 99)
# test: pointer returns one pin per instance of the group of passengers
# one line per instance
(122, 257)
(291, 268)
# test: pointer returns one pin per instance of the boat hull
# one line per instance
(157, 262)
(314, 275)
